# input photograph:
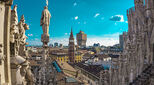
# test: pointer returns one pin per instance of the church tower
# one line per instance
(71, 49)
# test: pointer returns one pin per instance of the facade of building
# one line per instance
(65, 58)
(121, 41)
(81, 39)
(14, 68)
(62, 58)
(71, 49)
(135, 65)
(61, 55)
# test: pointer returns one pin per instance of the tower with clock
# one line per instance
(71, 49)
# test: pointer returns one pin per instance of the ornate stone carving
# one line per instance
(14, 22)
(19, 66)
(138, 47)
(14, 32)
(22, 28)
(22, 37)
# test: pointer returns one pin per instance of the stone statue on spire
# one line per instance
(44, 70)
(45, 21)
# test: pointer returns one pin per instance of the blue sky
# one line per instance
(101, 20)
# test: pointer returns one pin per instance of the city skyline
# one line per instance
(101, 22)
(119, 48)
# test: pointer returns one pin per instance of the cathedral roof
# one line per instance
(93, 69)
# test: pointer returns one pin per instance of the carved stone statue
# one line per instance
(14, 32)
(27, 74)
(22, 37)
(22, 28)
(131, 76)
(20, 68)
(45, 20)
(14, 23)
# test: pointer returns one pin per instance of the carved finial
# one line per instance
(47, 3)
(15, 8)
(22, 19)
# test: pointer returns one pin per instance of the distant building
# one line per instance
(96, 45)
(55, 44)
(33, 49)
(71, 49)
(81, 39)
(50, 45)
(63, 57)
(60, 45)
(121, 41)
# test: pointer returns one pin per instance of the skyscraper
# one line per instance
(121, 41)
(71, 49)
(81, 39)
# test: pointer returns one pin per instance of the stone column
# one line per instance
(2, 13)
(7, 41)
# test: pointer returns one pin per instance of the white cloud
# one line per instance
(118, 18)
(107, 40)
(66, 33)
(102, 41)
(126, 21)
(36, 39)
(114, 35)
(30, 35)
(75, 4)
(96, 15)
(34, 42)
(122, 18)
(76, 17)
(62, 40)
